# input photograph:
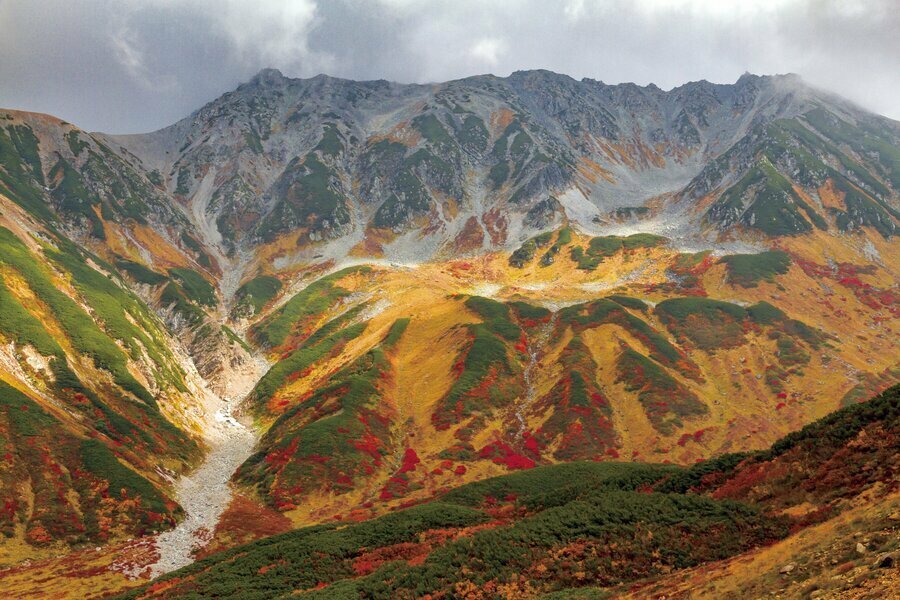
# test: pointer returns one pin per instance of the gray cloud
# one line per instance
(136, 65)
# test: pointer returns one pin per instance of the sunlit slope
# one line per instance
(98, 410)
(57, 177)
(390, 383)
(718, 529)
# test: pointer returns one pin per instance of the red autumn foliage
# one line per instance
(317, 459)
(531, 444)
(410, 460)
(370, 445)
(696, 436)
(502, 454)
(282, 456)
(522, 344)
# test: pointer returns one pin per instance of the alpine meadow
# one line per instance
(523, 336)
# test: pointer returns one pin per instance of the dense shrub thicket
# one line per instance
(258, 292)
(747, 270)
(601, 248)
(591, 513)
(312, 301)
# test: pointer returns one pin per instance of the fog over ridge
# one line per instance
(137, 65)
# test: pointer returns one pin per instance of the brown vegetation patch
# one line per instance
(245, 520)
(831, 197)
(496, 223)
(471, 237)
(501, 119)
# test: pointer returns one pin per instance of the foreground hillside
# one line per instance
(90, 395)
(595, 525)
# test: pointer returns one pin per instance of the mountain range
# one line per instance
(329, 301)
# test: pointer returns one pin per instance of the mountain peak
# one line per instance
(748, 77)
(268, 76)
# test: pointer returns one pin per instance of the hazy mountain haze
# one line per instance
(130, 66)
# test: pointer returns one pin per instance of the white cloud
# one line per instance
(258, 33)
(574, 9)
(713, 8)
(487, 51)
(275, 32)
(127, 53)
(137, 64)
(129, 50)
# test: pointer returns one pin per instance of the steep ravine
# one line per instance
(537, 347)
(205, 492)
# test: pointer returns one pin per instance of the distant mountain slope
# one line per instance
(296, 169)
(468, 164)
(571, 526)
(58, 172)
(816, 170)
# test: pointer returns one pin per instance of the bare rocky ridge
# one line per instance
(430, 166)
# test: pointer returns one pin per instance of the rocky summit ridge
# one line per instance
(404, 171)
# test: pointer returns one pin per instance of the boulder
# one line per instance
(886, 560)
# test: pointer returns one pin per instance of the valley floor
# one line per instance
(204, 494)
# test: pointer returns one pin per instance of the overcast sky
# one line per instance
(137, 65)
